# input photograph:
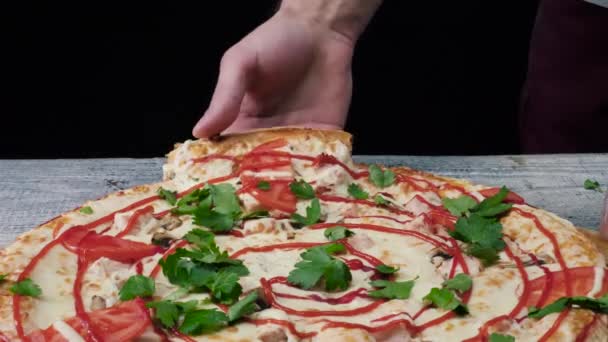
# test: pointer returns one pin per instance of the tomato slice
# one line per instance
(264, 156)
(278, 197)
(71, 238)
(47, 335)
(258, 162)
(550, 287)
(95, 246)
(122, 322)
(511, 196)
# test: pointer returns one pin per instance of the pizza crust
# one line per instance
(582, 246)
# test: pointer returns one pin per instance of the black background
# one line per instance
(128, 80)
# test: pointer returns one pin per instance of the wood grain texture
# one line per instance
(34, 191)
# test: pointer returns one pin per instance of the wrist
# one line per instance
(345, 18)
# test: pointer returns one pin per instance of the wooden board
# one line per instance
(33, 191)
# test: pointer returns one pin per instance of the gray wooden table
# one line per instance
(32, 191)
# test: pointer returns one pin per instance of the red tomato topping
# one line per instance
(122, 322)
(511, 196)
(257, 162)
(257, 159)
(94, 246)
(582, 279)
(278, 197)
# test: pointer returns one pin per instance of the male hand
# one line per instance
(286, 72)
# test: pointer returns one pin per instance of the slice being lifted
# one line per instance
(277, 235)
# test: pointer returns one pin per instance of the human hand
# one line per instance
(285, 73)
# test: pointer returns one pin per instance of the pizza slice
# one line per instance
(278, 235)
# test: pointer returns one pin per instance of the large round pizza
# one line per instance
(277, 235)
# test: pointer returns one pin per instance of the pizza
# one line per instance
(278, 235)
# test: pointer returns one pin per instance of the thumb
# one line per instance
(236, 68)
(604, 219)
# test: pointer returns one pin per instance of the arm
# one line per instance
(344, 17)
(294, 69)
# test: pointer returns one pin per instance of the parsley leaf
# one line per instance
(445, 299)
(165, 311)
(379, 200)
(263, 185)
(2, 277)
(225, 287)
(137, 286)
(203, 321)
(494, 337)
(591, 184)
(493, 206)
(380, 178)
(385, 269)
(302, 189)
(205, 268)
(337, 233)
(317, 263)
(461, 282)
(225, 200)
(168, 195)
(483, 234)
(215, 206)
(460, 205)
(313, 214)
(243, 307)
(215, 221)
(392, 289)
(168, 312)
(86, 210)
(255, 214)
(355, 190)
(597, 305)
(26, 287)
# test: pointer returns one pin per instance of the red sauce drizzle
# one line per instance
(268, 248)
(83, 265)
(215, 156)
(267, 288)
(344, 299)
(582, 337)
(387, 326)
(133, 220)
(562, 263)
(182, 336)
(378, 228)
(286, 324)
(548, 282)
(139, 268)
(380, 217)
(387, 317)
(333, 198)
(526, 283)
